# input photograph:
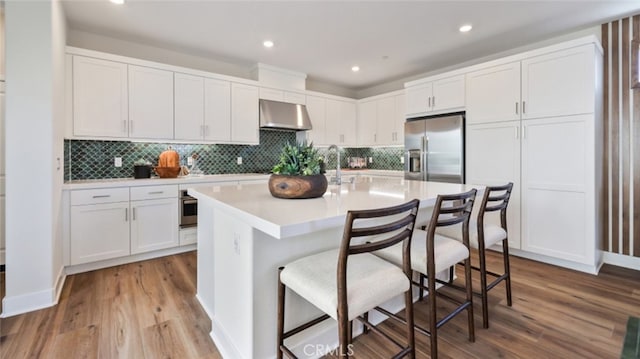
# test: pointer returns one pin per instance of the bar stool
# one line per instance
(482, 236)
(432, 253)
(348, 282)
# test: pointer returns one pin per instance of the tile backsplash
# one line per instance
(89, 159)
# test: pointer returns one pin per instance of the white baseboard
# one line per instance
(224, 345)
(86, 267)
(34, 301)
(591, 269)
(621, 260)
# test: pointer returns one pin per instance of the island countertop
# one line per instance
(283, 218)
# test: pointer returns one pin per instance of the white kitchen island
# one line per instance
(245, 234)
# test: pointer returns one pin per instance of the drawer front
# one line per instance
(97, 196)
(153, 192)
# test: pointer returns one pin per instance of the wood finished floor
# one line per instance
(148, 310)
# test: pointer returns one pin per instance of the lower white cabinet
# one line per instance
(99, 231)
(154, 224)
(493, 158)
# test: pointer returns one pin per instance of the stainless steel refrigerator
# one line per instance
(434, 148)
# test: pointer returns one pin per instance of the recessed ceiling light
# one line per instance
(465, 28)
(268, 44)
(355, 68)
(119, 2)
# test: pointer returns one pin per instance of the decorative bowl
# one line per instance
(297, 187)
(167, 172)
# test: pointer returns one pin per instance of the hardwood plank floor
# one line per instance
(148, 310)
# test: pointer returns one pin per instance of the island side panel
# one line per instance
(232, 321)
(271, 253)
(205, 278)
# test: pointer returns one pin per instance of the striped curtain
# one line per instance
(621, 182)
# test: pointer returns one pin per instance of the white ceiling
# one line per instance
(389, 40)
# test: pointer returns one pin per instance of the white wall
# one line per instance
(34, 48)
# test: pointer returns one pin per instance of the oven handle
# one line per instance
(190, 201)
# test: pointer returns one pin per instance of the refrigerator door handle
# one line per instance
(425, 158)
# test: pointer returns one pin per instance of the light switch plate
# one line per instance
(402, 159)
(239, 160)
(117, 162)
(370, 159)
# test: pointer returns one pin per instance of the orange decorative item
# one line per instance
(168, 164)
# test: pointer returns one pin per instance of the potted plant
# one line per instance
(141, 169)
(298, 174)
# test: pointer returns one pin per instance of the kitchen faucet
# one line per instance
(338, 177)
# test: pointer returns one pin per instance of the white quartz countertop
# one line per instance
(282, 218)
(184, 180)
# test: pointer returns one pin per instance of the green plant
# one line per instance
(299, 159)
(142, 162)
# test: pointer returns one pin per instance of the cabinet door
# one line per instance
(217, 110)
(386, 121)
(367, 123)
(150, 103)
(399, 119)
(558, 84)
(493, 158)
(448, 94)
(2, 226)
(244, 114)
(99, 231)
(154, 225)
(557, 188)
(294, 97)
(348, 117)
(418, 99)
(100, 99)
(332, 134)
(493, 94)
(2, 135)
(271, 94)
(316, 106)
(189, 107)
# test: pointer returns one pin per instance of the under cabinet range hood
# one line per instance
(283, 115)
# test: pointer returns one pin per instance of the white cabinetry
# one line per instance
(554, 127)
(282, 96)
(154, 218)
(493, 158)
(100, 98)
(437, 96)
(2, 176)
(381, 121)
(189, 107)
(150, 103)
(333, 121)
(244, 114)
(99, 224)
(217, 110)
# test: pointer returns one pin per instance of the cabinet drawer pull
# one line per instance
(434, 101)
(516, 108)
(126, 215)
(156, 192)
(102, 196)
(523, 108)
(133, 214)
(429, 106)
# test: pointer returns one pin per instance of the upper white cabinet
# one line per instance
(541, 86)
(333, 121)
(438, 96)
(189, 107)
(557, 84)
(217, 110)
(381, 121)
(493, 94)
(100, 98)
(244, 114)
(150, 103)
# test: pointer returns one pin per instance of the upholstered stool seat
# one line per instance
(492, 234)
(447, 252)
(372, 281)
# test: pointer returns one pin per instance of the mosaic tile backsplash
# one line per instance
(85, 159)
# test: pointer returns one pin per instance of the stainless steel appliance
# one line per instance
(434, 148)
(188, 210)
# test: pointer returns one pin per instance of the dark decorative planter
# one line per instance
(297, 187)
(141, 171)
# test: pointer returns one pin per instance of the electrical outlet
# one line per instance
(370, 159)
(190, 161)
(236, 244)
(117, 162)
(239, 160)
(402, 159)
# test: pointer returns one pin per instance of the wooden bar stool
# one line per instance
(432, 253)
(483, 236)
(348, 282)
